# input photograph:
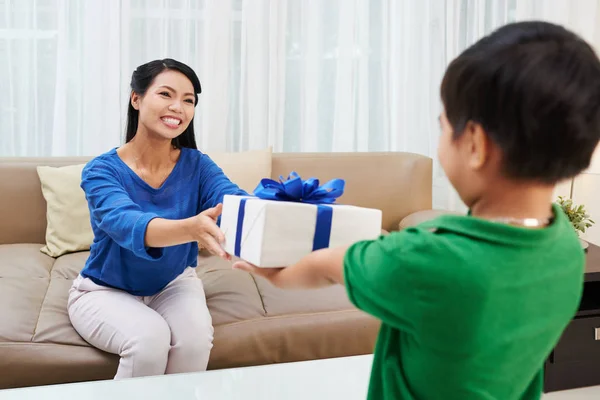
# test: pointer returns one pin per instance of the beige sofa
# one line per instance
(254, 322)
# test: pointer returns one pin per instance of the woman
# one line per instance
(152, 202)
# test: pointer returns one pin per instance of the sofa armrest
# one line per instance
(419, 217)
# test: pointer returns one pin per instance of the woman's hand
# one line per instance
(204, 230)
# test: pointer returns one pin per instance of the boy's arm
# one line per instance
(320, 268)
(380, 276)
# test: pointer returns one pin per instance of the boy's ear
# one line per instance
(477, 145)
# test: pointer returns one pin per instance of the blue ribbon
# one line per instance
(295, 189)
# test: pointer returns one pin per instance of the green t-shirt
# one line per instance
(470, 309)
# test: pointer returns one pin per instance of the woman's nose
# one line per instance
(175, 106)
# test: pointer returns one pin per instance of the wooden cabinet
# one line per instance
(575, 361)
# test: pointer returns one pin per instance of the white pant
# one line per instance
(170, 332)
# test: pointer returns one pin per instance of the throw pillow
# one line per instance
(68, 229)
(246, 169)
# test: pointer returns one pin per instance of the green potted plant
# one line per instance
(579, 218)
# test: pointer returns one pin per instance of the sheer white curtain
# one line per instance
(60, 77)
(298, 75)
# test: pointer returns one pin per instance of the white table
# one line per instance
(337, 378)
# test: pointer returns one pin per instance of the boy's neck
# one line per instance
(515, 201)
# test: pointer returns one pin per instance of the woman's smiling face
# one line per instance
(167, 107)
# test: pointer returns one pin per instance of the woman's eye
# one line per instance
(190, 101)
(164, 94)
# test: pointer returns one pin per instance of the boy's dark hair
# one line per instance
(534, 87)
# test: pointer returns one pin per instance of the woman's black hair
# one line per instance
(534, 87)
(141, 80)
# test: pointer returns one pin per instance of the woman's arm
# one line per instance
(201, 228)
(129, 226)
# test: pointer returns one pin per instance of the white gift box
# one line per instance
(280, 233)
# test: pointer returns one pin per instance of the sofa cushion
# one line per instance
(24, 279)
(231, 295)
(53, 324)
(245, 169)
(68, 218)
(21, 302)
(24, 261)
(396, 183)
(69, 265)
(284, 302)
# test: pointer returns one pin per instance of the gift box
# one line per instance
(286, 220)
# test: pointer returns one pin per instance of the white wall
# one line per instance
(586, 191)
(563, 190)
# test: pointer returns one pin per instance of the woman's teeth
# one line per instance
(171, 121)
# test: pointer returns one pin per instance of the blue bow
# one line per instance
(295, 189)
(298, 190)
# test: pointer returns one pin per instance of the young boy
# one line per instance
(472, 305)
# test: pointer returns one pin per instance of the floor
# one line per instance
(577, 394)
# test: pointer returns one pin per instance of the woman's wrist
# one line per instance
(188, 229)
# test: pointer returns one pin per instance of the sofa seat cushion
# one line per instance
(24, 261)
(255, 323)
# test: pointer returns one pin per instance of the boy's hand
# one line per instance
(273, 275)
